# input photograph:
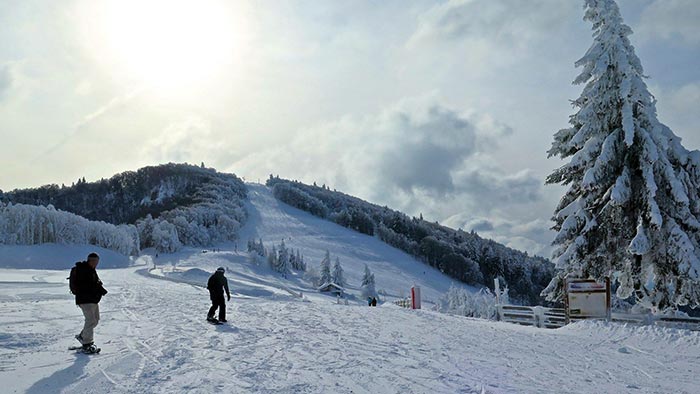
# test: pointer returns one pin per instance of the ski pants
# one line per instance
(220, 303)
(92, 317)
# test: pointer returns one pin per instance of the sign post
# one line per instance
(415, 297)
(497, 290)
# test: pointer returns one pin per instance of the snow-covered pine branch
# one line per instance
(631, 211)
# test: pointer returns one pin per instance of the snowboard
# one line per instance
(80, 350)
(214, 321)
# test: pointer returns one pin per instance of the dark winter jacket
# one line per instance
(85, 284)
(217, 284)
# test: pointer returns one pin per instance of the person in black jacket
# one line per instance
(217, 284)
(88, 291)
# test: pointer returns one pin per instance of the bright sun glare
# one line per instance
(166, 43)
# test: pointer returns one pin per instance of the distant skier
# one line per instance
(374, 301)
(87, 288)
(217, 284)
(369, 301)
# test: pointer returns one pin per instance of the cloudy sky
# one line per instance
(444, 108)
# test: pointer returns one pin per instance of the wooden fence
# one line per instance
(403, 303)
(688, 323)
(543, 317)
(537, 316)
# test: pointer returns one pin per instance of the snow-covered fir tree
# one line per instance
(282, 265)
(325, 269)
(338, 277)
(631, 210)
(299, 261)
(272, 258)
(368, 285)
(292, 259)
(296, 261)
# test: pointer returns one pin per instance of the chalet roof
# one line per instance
(329, 286)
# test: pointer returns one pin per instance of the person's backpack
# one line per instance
(72, 280)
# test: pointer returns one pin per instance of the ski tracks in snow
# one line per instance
(155, 340)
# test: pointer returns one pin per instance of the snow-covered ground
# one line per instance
(283, 337)
(155, 340)
(56, 256)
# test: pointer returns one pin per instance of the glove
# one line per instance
(104, 291)
(229, 297)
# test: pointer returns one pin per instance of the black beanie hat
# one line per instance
(93, 255)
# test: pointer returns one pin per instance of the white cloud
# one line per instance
(533, 236)
(671, 20)
(6, 80)
(503, 22)
(85, 122)
(677, 108)
(188, 140)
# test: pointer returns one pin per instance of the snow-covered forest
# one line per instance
(171, 205)
(464, 256)
(22, 224)
(280, 258)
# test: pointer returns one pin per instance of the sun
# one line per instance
(165, 43)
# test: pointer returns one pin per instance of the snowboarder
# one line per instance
(88, 290)
(217, 284)
(374, 301)
(369, 301)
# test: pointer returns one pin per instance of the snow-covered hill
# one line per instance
(273, 222)
(395, 271)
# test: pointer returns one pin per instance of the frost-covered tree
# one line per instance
(272, 258)
(22, 224)
(459, 301)
(338, 276)
(631, 210)
(282, 265)
(292, 259)
(296, 261)
(325, 269)
(165, 237)
(368, 285)
(311, 275)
